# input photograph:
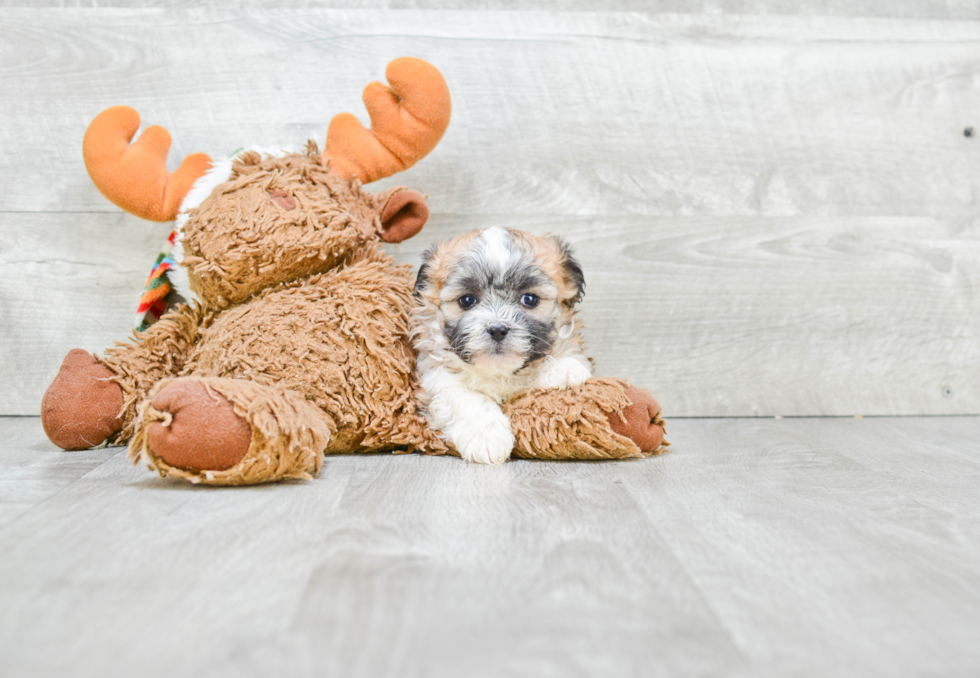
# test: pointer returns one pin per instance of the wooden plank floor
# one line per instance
(757, 547)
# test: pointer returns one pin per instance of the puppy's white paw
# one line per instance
(563, 373)
(484, 440)
(491, 448)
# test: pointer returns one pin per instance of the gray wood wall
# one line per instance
(776, 204)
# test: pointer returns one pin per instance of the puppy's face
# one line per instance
(500, 297)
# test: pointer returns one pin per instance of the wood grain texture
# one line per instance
(33, 470)
(777, 208)
(66, 281)
(905, 9)
(804, 547)
(568, 113)
(831, 531)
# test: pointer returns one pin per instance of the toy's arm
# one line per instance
(600, 419)
(93, 400)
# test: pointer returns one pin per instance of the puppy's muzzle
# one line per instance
(498, 331)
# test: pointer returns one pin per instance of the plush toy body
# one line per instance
(298, 345)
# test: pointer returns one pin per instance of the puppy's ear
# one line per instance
(574, 279)
(422, 281)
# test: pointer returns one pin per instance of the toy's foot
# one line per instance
(82, 405)
(221, 431)
(202, 431)
(641, 421)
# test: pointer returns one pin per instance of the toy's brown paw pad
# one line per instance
(641, 421)
(81, 407)
(199, 431)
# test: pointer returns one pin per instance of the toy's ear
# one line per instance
(403, 216)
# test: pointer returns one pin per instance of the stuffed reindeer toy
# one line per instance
(297, 343)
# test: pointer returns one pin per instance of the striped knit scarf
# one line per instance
(158, 295)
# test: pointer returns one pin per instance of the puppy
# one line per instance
(496, 315)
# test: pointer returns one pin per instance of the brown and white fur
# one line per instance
(496, 316)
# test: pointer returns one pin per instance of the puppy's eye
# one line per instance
(530, 300)
(467, 301)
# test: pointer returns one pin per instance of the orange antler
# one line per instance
(135, 177)
(407, 121)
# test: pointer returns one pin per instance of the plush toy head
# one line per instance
(251, 222)
(278, 219)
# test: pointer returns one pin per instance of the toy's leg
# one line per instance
(220, 431)
(82, 405)
(640, 421)
(601, 419)
(93, 400)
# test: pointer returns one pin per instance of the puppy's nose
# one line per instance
(498, 331)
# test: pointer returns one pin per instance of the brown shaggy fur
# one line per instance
(571, 424)
(150, 356)
(288, 435)
(241, 240)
